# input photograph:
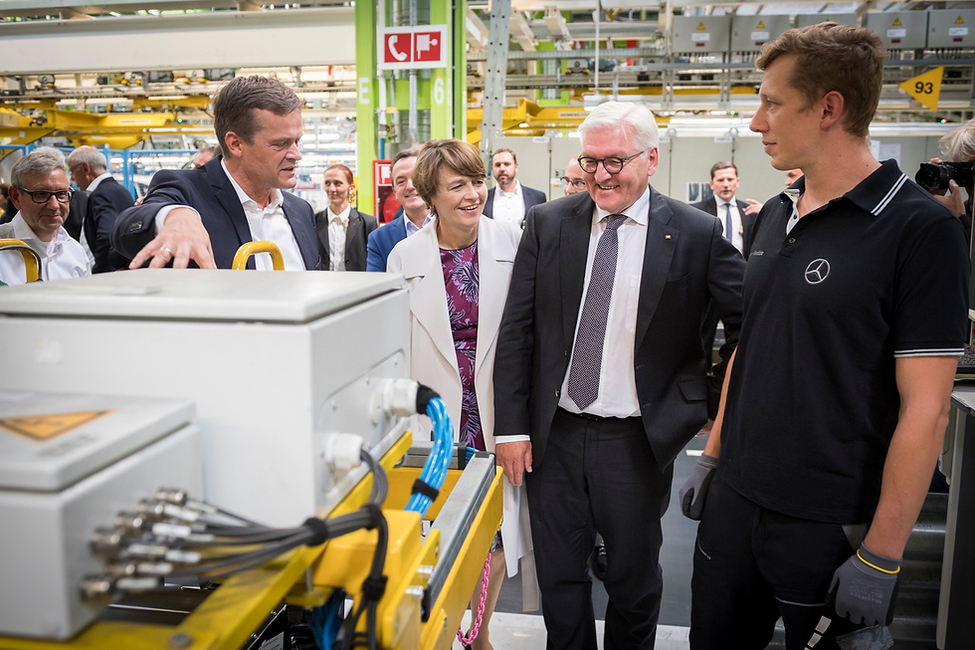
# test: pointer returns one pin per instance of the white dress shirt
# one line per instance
(265, 224)
(617, 395)
(61, 258)
(737, 230)
(412, 228)
(338, 224)
(509, 206)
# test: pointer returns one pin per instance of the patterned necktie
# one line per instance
(587, 355)
(727, 222)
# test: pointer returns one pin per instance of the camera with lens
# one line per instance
(935, 176)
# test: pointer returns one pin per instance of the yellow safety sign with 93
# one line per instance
(926, 87)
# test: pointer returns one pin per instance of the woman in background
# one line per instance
(457, 271)
(342, 230)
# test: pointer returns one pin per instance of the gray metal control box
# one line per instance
(68, 464)
(805, 20)
(750, 33)
(951, 28)
(701, 33)
(273, 361)
(900, 30)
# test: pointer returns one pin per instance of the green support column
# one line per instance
(367, 100)
(448, 86)
(442, 91)
(459, 31)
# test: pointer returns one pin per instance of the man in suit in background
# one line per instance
(106, 199)
(206, 214)
(510, 200)
(737, 217)
(412, 216)
(601, 375)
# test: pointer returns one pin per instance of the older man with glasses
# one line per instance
(40, 191)
(601, 377)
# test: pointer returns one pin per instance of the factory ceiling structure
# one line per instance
(119, 72)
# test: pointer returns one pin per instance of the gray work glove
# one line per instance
(864, 588)
(696, 487)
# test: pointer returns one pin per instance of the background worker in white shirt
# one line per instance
(510, 200)
(40, 191)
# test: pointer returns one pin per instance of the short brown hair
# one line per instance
(439, 156)
(345, 170)
(849, 60)
(722, 164)
(514, 158)
(402, 155)
(235, 105)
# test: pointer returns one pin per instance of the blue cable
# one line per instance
(325, 621)
(434, 471)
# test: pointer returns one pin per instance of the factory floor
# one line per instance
(512, 629)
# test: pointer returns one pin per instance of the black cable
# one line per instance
(380, 482)
(238, 558)
(372, 588)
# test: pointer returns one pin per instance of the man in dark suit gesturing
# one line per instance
(206, 214)
(601, 374)
(737, 217)
(105, 199)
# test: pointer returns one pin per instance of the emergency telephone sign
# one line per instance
(411, 48)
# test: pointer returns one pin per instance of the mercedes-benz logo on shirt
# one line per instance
(817, 271)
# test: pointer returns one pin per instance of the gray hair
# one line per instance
(39, 162)
(635, 121)
(90, 155)
(958, 145)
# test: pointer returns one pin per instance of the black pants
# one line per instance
(598, 474)
(752, 565)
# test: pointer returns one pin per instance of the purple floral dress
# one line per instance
(460, 277)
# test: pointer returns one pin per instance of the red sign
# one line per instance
(386, 203)
(411, 48)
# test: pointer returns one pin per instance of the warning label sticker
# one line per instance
(40, 428)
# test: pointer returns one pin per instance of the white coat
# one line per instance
(433, 358)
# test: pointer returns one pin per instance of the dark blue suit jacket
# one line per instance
(208, 190)
(104, 206)
(531, 197)
(747, 220)
(381, 242)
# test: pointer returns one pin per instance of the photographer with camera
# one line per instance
(939, 177)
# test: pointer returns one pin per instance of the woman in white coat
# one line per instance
(457, 270)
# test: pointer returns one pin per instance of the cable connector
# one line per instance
(394, 397)
(341, 451)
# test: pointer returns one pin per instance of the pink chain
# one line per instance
(467, 640)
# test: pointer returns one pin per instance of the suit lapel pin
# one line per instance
(666, 236)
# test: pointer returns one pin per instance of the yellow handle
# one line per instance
(255, 247)
(30, 257)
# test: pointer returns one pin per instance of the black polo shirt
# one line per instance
(879, 273)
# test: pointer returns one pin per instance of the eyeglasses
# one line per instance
(577, 183)
(43, 196)
(613, 164)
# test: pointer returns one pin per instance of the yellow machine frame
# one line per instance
(30, 260)
(307, 576)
